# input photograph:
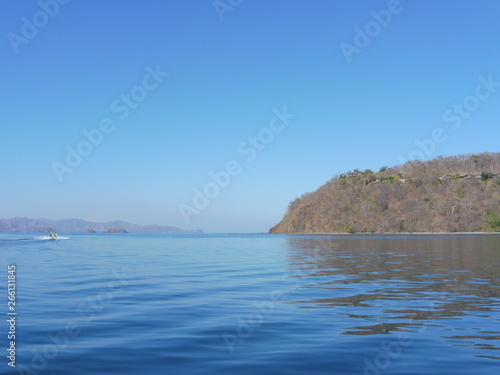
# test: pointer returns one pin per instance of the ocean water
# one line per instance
(252, 304)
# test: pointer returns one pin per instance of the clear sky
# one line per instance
(281, 95)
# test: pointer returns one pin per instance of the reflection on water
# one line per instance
(445, 285)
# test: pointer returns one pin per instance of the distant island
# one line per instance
(25, 225)
(446, 194)
(116, 230)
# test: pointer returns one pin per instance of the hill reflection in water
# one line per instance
(415, 283)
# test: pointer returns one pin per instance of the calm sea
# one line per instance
(252, 304)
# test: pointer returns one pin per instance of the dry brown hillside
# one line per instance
(446, 194)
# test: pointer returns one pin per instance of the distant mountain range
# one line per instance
(25, 225)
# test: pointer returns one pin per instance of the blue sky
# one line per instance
(420, 69)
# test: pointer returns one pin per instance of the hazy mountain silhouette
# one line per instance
(26, 225)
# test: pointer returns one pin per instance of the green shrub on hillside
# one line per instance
(486, 175)
(350, 229)
(492, 222)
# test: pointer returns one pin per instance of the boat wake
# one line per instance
(48, 238)
(6, 241)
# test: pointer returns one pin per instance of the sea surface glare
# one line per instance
(253, 304)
